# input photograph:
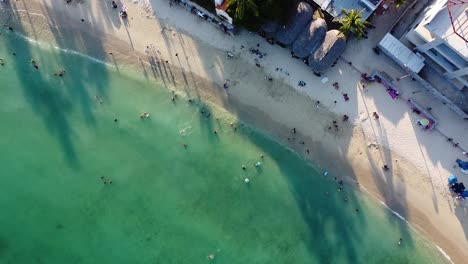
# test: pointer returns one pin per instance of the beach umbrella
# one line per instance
(463, 165)
(310, 38)
(328, 52)
(424, 122)
(270, 28)
(452, 179)
(300, 19)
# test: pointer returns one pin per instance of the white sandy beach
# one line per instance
(420, 161)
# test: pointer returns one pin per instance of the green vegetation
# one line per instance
(242, 8)
(352, 23)
(207, 4)
(399, 3)
(251, 14)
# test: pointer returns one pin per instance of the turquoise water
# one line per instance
(166, 203)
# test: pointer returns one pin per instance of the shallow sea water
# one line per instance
(166, 203)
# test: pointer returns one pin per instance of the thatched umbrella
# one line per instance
(270, 27)
(310, 39)
(332, 47)
(289, 32)
(268, 30)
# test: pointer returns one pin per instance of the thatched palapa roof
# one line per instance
(289, 32)
(270, 27)
(310, 38)
(332, 47)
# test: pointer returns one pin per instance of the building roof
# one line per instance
(301, 17)
(222, 5)
(310, 38)
(334, 7)
(438, 23)
(402, 54)
(332, 47)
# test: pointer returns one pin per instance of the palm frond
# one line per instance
(352, 23)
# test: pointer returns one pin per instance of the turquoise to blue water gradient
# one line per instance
(167, 203)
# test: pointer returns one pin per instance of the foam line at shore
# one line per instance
(443, 253)
(447, 256)
(45, 45)
(393, 212)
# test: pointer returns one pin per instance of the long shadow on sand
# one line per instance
(50, 103)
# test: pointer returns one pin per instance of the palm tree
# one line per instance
(242, 7)
(399, 3)
(352, 23)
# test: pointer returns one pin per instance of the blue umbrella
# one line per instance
(463, 164)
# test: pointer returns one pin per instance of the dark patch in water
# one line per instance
(3, 246)
(59, 226)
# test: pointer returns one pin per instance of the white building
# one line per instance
(334, 7)
(440, 34)
(221, 7)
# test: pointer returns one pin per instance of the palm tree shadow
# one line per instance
(51, 97)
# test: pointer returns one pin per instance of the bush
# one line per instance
(207, 4)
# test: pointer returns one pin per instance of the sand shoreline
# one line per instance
(273, 108)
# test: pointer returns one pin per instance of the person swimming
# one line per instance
(34, 63)
(60, 73)
(1, 62)
(144, 115)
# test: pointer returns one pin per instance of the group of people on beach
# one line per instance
(258, 54)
